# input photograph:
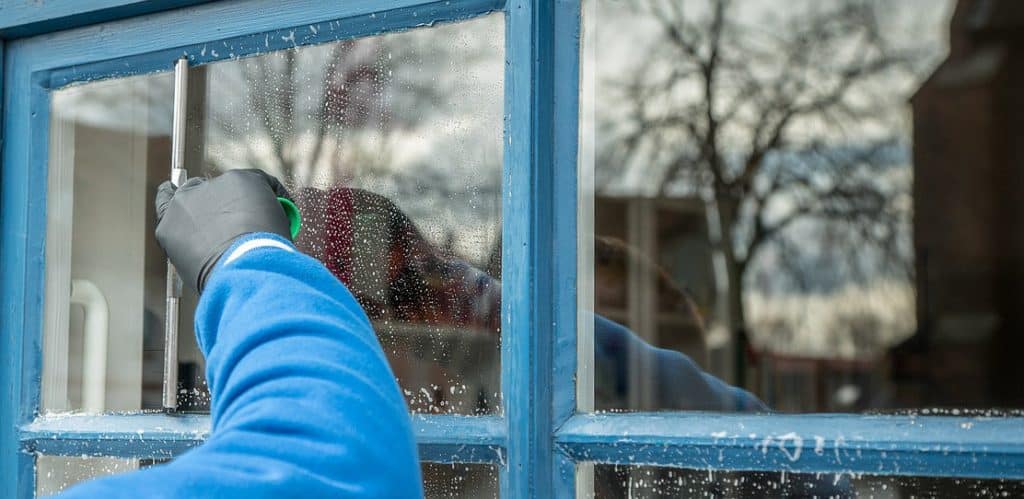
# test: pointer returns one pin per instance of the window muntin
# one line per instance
(389, 144)
(756, 172)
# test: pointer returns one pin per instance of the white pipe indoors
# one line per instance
(94, 350)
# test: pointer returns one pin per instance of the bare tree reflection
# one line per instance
(790, 125)
(299, 119)
(414, 116)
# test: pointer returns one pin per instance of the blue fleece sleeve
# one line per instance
(303, 401)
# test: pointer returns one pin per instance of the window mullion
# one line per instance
(528, 329)
(539, 242)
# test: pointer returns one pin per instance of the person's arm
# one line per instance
(674, 380)
(303, 403)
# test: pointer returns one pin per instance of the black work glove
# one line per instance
(197, 222)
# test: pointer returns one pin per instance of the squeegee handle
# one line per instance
(178, 177)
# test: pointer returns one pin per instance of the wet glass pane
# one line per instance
(809, 200)
(460, 480)
(614, 481)
(391, 147)
(56, 473)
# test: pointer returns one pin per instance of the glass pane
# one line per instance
(391, 146)
(614, 481)
(460, 480)
(56, 473)
(105, 274)
(808, 200)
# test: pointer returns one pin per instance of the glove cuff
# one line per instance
(238, 247)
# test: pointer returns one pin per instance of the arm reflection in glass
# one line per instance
(396, 274)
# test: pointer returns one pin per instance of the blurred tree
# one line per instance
(779, 113)
(326, 110)
(301, 110)
(414, 116)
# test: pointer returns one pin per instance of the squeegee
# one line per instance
(178, 177)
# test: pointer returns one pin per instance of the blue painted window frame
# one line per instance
(540, 436)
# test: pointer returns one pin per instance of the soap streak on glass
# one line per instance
(391, 147)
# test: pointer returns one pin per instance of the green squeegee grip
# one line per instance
(292, 212)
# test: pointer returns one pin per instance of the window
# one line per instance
(393, 135)
(583, 218)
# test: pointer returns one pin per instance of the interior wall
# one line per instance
(109, 215)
